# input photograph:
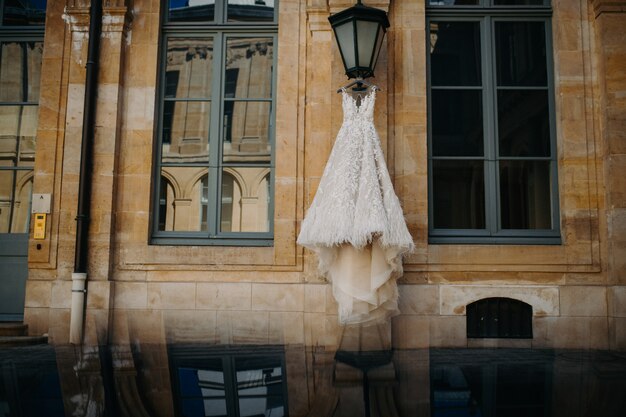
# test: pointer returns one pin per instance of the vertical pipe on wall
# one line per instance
(79, 277)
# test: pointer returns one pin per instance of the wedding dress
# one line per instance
(355, 223)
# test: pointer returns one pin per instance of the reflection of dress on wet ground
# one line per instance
(355, 223)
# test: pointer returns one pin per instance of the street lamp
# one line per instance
(359, 31)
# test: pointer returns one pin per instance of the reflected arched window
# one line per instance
(165, 190)
(230, 208)
(204, 203)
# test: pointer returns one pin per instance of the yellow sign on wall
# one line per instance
(40, 226)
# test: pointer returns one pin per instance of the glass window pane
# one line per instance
(185, 132)
(519, 2)
(18, 132)
(523, 123)
(252, 407)
(24, 12)
(521, 54)
(21, 205)
(189, 67)
(250, 11)
(249, 67)
(6, 199)
(245, 204)
(455, 53)
(453, 2)
(246, 131)
(345, 41)
(525, 197)
(458, 194)
(191, 10)
(182, 199)
(366, 35)
(457, 122)
(20, 71)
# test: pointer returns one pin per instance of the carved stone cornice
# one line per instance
(77, 18)
(608, 6)
(317, 15)
(339, 5)
(116, 19)
(319, 10)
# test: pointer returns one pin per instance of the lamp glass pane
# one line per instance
(366, 35)
(379, 44)
(345, 39)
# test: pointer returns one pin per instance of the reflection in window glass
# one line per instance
(519, 2)
(6, 200)
(525, 194)
(224, 384)
(189, 67)
(15, 192)
(523, 123)
(191, 10)
(521, 54)
(457, 123)
(181, 202)
(458, 194)
(250, 11)
(186, 135)
(453, 2)
(249, 212)
(216, 90)
(247, 127)
(24, 12)
(252, 58)
(20, 70)
(455, 45)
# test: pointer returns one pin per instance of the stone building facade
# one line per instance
(267, 291)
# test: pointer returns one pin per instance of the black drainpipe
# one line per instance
(79, 277)
(89, 116)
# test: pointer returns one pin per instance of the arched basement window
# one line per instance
(499, 318)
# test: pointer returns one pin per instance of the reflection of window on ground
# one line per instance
(229, 384)
(494, 383)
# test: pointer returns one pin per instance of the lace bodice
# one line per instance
(363, 112)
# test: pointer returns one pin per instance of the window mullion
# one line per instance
(215, 153)
(555, 215)
(490, 126)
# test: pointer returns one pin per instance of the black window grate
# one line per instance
(499, 318)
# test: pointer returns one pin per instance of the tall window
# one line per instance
(492, 156)
(21, 51)
(215, 134)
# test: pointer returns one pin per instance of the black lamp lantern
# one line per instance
(359, 31)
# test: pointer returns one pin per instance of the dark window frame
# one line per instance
(487, 15)
(220, 29)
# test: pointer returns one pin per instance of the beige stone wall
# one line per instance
(274, 294)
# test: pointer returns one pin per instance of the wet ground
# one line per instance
(252, 381)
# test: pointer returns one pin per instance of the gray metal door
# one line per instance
(13, 274)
